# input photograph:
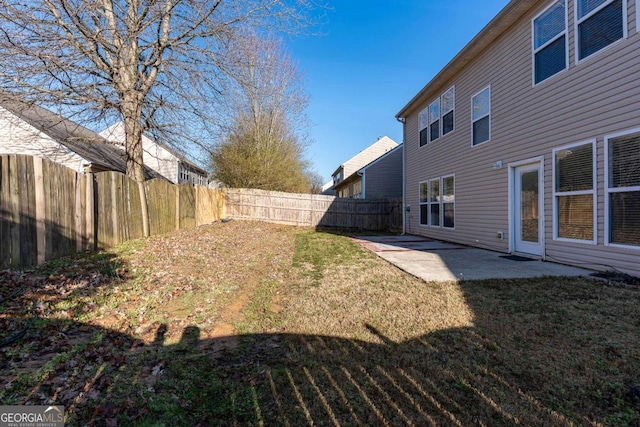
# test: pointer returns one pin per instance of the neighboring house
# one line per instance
(528, 141)
(382, 178)
(31, 130)
(346, 181)
(160, 158)
(327, 189)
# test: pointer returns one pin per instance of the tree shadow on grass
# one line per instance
(104, 377)
(535, 355)
(452, 377)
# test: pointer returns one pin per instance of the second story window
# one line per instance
(423, 123)
(434, 120)
(438, 119)
(550, 41)
(481, 116)
(448, 106)
(599, 23)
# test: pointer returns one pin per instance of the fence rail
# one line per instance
(314, 210)
(47, 210)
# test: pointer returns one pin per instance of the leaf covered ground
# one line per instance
(247, 323)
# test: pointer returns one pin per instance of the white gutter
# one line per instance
(362, 174)
(404, 176)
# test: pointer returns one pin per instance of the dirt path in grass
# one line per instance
(207, 280)
(190, 284)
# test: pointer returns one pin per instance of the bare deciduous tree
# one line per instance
(316, 182)
(262, 123)
(154, 64)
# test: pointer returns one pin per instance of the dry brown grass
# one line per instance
(327, 334)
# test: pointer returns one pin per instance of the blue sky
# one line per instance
(373, 57)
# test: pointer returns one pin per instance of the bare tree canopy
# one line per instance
(262, 121)
(154, 64)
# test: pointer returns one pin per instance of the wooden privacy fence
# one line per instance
(314, 210)
(48, 210)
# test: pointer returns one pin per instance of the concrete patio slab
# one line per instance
(433, 260)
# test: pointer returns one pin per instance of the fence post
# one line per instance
(114, 212)
(177, 186)
(14, 208)
(78, 212)
(40, 210)
(91, 208)
(197, 206)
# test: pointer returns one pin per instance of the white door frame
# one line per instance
(512, 201)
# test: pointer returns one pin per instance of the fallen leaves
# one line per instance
(101, 321)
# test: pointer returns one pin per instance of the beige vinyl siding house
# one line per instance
(543, 156)
(160, 158)
(346, 181)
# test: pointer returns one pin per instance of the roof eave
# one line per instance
(508, 16)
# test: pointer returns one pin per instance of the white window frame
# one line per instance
(480, 118)
(608, 191)
(444, 113)
(443, 202)
(578, 21)
(593, 192)
(432, 120)
(423, 123)
(437, 202)
(357, 189)
(421, 203)
(533, 43)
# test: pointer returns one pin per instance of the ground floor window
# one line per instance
(574, 192)
(424, 206)
(622, 186)
(434, 202)
(448, 202)
(357, 190)
(437, 202)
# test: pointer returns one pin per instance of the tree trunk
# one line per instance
(133, 147)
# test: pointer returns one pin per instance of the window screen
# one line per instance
(551, 60)
(423, 126)
(625, 218)
(624, 161)
(480, 112)
(574, 168)
(549, 41)
(481, 130)
(624, 189)
(434, 203)
(587, 6)
(448, 105)
(434, 120)
(424, 207)
(574, 192)
(599, 30)
(448, 202)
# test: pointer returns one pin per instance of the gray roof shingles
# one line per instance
(77, 138)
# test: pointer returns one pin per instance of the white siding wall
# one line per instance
(19, 137)
(599, 96)
(155, 157)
